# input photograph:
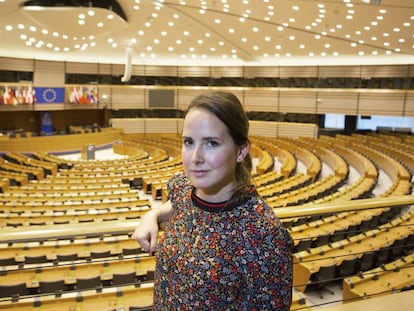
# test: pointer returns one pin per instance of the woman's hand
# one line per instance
(146, 233)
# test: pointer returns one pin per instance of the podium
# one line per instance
(88, 152)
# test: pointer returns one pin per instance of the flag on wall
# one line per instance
(49, 95)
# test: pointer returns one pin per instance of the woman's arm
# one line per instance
(146, 233)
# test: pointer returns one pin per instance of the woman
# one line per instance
(223, 247)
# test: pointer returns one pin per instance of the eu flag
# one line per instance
(49, 95)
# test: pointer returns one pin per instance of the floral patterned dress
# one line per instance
(222, 257)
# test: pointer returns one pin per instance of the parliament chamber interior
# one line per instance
(89, 139)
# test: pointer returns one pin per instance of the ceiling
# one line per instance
(218, 32)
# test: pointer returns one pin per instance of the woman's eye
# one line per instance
(212, 143)
(187, 142)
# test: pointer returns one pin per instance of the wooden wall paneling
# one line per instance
(27, 120)
(77, 117)
(261, 100)
(382, 71)
(159, 126)
(193, 71)
(82, 68)
(128, 97)
(57, 143)
(105, 96)
(49, 73)
(339, 71)
(257, 128)
(129, 125)
(409, 105)
(118, 70)
(263, 128)
(161, 71)
(298, 71)
(180, 123)
(104, 69)
(251, 72)
(381, 103)
(229, 72)
(49, 107)
(287, 129)
(297, 101)
(138, 70)
(16, 64)
(330, 101)
(185, 96)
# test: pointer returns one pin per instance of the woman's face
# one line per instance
(209, 155)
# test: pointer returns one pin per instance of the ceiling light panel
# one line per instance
(241, 31)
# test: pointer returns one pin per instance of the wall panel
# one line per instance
(257, 128)
(261, 100)
(48, 73)
(193, 71)
(81, 68)
(339, 71)
(16, 64)
(384, 71)
(128, 98)
(165, 125)
(129, 125)
(185, 96)
(296, 101)
(261, 71)
(377, 103)
(263, 128)
(409, 106)
(105, 96)
(298, 71)
(162, 71)
(230, 72)
(337, 102)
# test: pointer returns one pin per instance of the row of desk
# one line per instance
(309, 262)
